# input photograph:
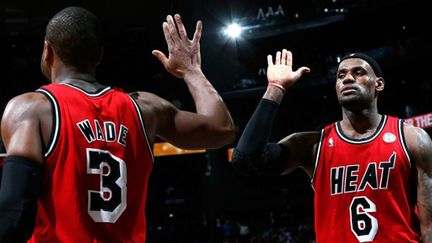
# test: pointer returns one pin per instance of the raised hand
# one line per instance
(183, 54)
(280, 72)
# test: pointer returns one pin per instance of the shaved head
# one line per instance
(75, 35)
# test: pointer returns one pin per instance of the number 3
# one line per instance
(363, 225)
(107, 204)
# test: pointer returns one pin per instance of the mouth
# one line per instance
(348, 90)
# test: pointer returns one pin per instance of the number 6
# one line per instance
(363, 225)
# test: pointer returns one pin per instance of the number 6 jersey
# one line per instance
(365, 190)
(96, 168)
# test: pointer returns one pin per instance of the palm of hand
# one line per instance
(183, 53)
(281, 74)
(183, 56)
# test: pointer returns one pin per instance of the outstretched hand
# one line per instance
(183, 54)
(281, 72)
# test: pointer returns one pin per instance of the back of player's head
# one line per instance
(75, 35)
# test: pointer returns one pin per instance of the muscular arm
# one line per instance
(21, 126)
(188, 130)
(420, 147)
(21, 177)
(211, 126)
(254, 154)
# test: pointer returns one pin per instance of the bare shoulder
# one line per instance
(149, 101)
(419, 144)
(301, 139)
(302, 148)
(143, 96)
(26, 106)
(155, 110)
(25, 122)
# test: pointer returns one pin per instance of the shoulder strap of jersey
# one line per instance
(56, 120)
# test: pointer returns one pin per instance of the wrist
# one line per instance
(278, 85)
(193, 73)
(274, 94)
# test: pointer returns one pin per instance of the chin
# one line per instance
(347, 99)
(349, 102)
(353, 104)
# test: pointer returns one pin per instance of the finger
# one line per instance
(162, 58)
(301, 71)
(172, 29)
(284, 57)
(181, 28)
(269, 60)
(167, 35)
(198, 31)
(278, 58)
(289, 59)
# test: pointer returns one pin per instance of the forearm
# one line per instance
(208, 102)
(274, 94)
(253, 153)
(207, 99)
(20, 187)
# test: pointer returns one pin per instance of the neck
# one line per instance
(360, 123)
(68, 74)
(86, 79)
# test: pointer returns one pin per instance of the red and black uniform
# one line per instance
(2, 156)
(96, 168)
(2, 153)
(365, 189)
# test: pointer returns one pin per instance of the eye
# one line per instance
(341, 75)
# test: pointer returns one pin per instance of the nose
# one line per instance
(349, 78)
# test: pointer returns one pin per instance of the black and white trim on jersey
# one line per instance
(317, 157)
(402, 140)
(363, 140)
(56, 122)
(91, 94)
(2, 149)
(138, 110)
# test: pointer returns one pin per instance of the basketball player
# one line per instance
(371, 173)
(80, 153)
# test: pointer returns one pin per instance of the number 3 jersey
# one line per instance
(365, 190)
(96, 168)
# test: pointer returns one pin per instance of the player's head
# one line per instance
(370, 61)
(358, 81)
(74, 35)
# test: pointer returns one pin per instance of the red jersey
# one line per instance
(96, 168)
(365, 189)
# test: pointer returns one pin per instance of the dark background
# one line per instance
(191, 196)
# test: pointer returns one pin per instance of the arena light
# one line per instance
(233, 30)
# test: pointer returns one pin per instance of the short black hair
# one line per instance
(374, 64)
(76, 36)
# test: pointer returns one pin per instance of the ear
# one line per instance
(380, 83)
(101, 52)
(48, 52)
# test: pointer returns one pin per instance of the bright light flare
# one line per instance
(233, 30)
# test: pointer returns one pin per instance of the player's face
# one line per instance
(356, 84)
